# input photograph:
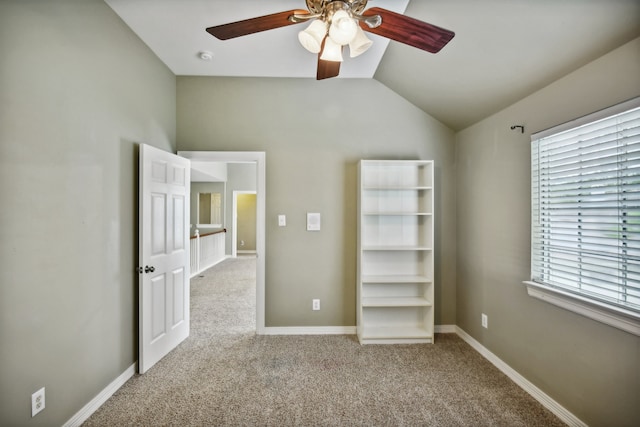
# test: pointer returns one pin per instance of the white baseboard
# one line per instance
(334, 330)
(215, 262)
(83, 414)
(194, 274)
(521, 381)
(310, 330)
(445, 329)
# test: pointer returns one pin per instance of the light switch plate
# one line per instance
(282, 220)
(313, 221)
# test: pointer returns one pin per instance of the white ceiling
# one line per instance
(503, 50)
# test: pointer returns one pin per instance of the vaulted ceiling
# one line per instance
(503, 50)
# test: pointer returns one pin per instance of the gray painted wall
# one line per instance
(313, 134)
(78, 92)
(71, 118)
(590, 368)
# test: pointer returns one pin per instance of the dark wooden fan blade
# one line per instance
(254, 25)
(407, 30)
(326, 69)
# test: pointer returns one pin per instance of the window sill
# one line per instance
(618, 318)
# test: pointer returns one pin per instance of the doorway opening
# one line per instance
(243, 159)
(244, 223)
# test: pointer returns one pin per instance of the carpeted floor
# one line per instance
(224, 374)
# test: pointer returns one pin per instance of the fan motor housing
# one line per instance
(320, 6)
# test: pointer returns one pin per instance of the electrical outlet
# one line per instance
(37, 402)
(315, 304)
(485, 321)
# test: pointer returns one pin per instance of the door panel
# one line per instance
(164, 253)
(158, 303)
(158, 221)
(178, 296)
(179, 207)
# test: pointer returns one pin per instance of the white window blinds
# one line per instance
(586, 207)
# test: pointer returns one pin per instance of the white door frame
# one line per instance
(234, 221)
(259, 158)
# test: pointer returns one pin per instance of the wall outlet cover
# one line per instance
(37, 402)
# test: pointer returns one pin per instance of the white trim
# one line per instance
(83, 414)
(445, 329)
(309, 330)
(202, 270)
(618, 318)
(521, 381)
(208, 225)
(335, 330)
(592, 117)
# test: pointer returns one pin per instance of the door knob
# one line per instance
(148, 269)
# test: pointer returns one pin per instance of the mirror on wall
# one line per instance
(209, 210)
(207, 206)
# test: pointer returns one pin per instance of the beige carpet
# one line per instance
(224, 374)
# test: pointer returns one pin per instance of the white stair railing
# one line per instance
(207, 250)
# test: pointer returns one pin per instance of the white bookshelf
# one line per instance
(395, 252)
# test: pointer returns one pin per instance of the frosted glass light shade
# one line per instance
(360, 43)
(311, 37)
(332, 51)
(343, 28)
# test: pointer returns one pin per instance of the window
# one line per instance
(585, 200)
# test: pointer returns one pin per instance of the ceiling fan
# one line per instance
(338, 23)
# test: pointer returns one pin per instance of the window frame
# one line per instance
(593, 308)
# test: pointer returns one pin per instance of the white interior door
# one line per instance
(164, 254)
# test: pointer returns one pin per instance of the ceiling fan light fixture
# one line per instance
(343, 27)
(332, 51)
(360, 44)
(337, 23)
(311, 37)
